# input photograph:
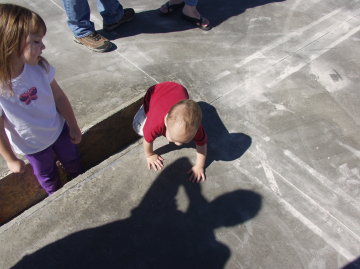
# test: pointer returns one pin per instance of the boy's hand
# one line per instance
(197, 174)
(75, 135)
(155, 162)
(16, 166)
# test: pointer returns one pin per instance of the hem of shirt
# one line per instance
(41, 149)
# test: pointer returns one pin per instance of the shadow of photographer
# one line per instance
(353, 265)
(157, 234)
(150, 21)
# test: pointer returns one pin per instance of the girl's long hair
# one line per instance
(16, 23)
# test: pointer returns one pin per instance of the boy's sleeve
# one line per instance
(148, 138)
(200, 137)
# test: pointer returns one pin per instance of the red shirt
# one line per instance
(157, 102)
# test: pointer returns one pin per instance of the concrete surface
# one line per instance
(278, 81)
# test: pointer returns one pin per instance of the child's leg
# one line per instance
(139, 121)
(45, 170)
(68, 153)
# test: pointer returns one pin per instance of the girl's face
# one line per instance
(33, 49)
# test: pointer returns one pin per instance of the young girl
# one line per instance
(36, 118)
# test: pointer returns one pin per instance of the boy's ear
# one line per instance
(165, 120)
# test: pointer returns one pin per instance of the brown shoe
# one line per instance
(129, 15)
(94, 42)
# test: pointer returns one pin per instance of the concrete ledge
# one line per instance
(107, 136)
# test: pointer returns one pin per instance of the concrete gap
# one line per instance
(112, 133)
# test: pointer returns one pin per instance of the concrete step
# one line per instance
(109, 135)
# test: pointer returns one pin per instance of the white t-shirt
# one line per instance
(31, 120)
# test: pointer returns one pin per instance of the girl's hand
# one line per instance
(155, 162)
(197, 174)
(75, 135)
(16, 166)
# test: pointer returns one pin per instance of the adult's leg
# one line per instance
(171, 6)
(192, 3)
(190, 12)
(67, 153)
(114, 14)
(111, 10)
(164, 8)
(45, 170)
(78, 13)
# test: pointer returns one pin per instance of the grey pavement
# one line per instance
(278, 84)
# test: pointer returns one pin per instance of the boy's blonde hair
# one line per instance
(186, 113)
(16, 23)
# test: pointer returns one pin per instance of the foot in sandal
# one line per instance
(170, 6)
(191, 14)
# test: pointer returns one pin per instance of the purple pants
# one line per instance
(44, 162)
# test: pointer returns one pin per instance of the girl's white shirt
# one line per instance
(31, 120)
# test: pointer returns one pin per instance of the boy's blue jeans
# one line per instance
(78, 13)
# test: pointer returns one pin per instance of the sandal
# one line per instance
(197, 22)
(170, 8)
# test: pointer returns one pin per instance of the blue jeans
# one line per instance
(78, 13)
(191, 2)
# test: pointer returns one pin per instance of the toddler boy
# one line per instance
(167, 111)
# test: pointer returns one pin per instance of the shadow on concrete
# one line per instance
(151, 22)
(157, 234)
(353, 265)
(222, 145)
